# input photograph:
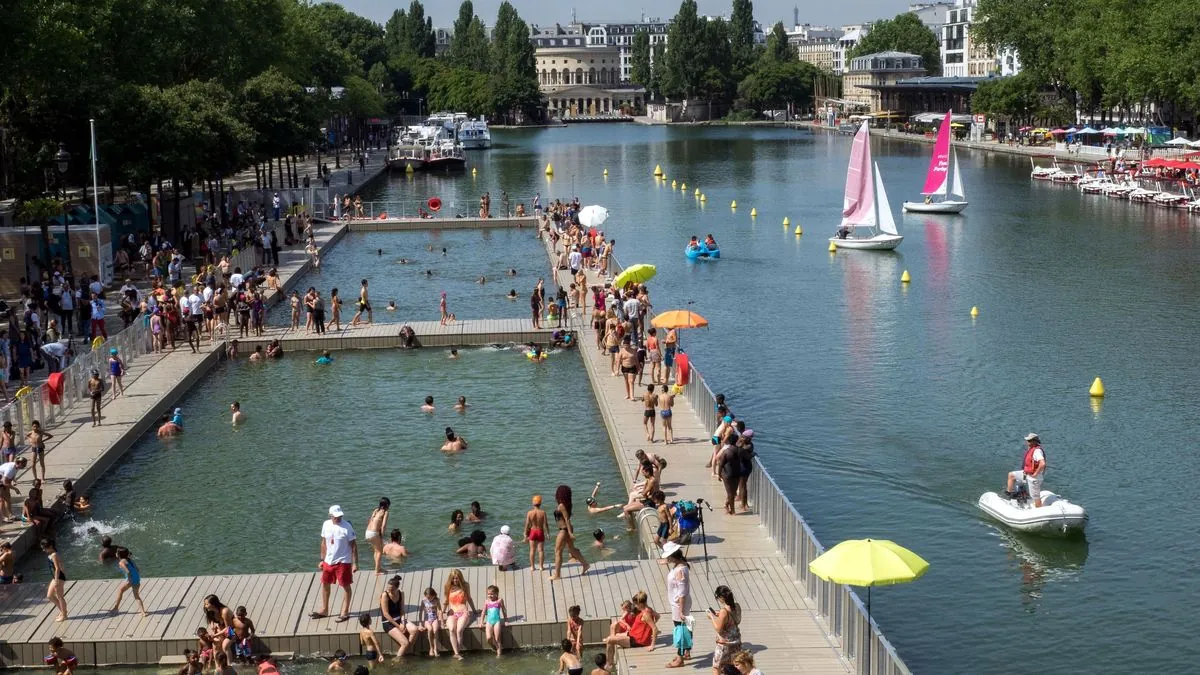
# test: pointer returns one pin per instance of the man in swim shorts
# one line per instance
(535, 534)
(665, 400)
(364, 305)
(339, 561)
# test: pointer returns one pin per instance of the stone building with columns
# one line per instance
(582, 70)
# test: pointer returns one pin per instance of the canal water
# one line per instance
(226, 500)
(884, 410)
(523, 662)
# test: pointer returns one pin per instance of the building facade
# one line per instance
(932, 14)
(964, 56)
(583, 69)
(868, 73)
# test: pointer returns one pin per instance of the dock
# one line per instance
(380, 335)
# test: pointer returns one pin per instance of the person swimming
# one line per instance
(454, 442)
(461, 405)
(512, 294)
(404, 261)
(428, 405)
(428, 273)
(511, 272)
(454, 353)
(325, 359)
(391, 306)
(482, 280)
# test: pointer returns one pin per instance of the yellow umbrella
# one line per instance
(868, 562)
(956, 125)
(679, 318)
(638, 274)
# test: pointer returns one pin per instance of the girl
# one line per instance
(336, 303)
(376, 526)
(220, 617)
(568, 661)
(391, 609)
(431, 611)
(133, 580)
(456, 520)
(63, 659)
(643, 629)
(295, 301)
(116, 367)
(366, 638)
(58, 577)
(575, 630)
(566, 535)
(442, 307)
(725, 622)
(494, 616)
(158, 339)
(459, 608)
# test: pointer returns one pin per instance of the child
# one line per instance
(601, 665)
(552, 314)
(431, 609)
(36, 440)
(204, 646)
(63, 659)
(117, 368)
(494, 616)
(243, 631)
(442, 307)
(223, 667)
(295, 300)
(192, 666)
(67, 496)
(133, 580)
(366, 638)
(744, 661)
(568, 661)
(574, 632)
(664, 518)
(338, 664)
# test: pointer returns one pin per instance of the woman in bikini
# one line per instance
(223, 618)
(566, 534)
(459, 609)
(58, 578)
(376, 526)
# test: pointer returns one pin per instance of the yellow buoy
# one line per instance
(658, 170)
(683, 186)
(904, 278)
(753, 213)
(674, 185)
(786, 221)
(974, 312)
(1097, 389)
(832, 247)
(408, 168)
(606, 172)
(473, 171)
(733, 204)
(703, 198)
(799, 230)
(697, 193)
(549, 169)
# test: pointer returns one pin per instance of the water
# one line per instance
(470, 254)
(222, 500)
(885, 411)
(525, 662)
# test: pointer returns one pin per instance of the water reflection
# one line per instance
(1042, 561)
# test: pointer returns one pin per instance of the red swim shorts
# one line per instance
(337, 573)
(536, 534)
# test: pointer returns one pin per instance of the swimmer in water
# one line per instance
(428, 405)
(454, 353)
(476, 514)
(443, 250)
(456, 520)
(395, 547)
(428, 273)
(592, 505)
(404, 261)
(512, 294)
(429, 247)
(461, 406)
(391, 306)
(482, 280)
(237, 415)
(511, 272)
(379, 251)
(454, 442)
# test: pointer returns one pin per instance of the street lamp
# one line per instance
(62, 161)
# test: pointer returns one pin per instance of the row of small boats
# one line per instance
(1143, 189)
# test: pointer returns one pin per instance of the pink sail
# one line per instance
(858, 207)
(939, 164)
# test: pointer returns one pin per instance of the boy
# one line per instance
(243, 631)
(63, 659)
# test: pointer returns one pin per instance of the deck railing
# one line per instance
(419, 208)
(859, 638)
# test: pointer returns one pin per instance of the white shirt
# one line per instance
(679, 589)
(194, 302)
(97, 310)
(236, 279)
(275, 201)
(631, 308)
(576, 257)
(8, 471)
(337, 538)
(208, 294)
(55, 349)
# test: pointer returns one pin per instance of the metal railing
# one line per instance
(419, 209)
(130, 343)
(860, 640)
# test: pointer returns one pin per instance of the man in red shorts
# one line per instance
(339, 561)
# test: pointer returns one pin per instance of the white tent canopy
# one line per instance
(934, 117)
(1179, 141)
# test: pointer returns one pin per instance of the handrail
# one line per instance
(838, 604)
(419, 208)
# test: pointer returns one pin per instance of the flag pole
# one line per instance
(96, 206)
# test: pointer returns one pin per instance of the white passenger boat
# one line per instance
(939, 195)
(1055, 517)
(474, 133)
(867, 220)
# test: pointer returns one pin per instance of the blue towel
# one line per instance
(682, 638)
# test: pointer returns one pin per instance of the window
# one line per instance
(577, 42)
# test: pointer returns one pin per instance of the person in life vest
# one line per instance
(1033, 468)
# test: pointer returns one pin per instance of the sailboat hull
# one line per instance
(879, 242)
(935, 207)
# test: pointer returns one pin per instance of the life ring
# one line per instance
(434, 204)
(533, 356)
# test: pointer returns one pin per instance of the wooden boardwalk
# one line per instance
(461, 333)
(792, 640)
(280, 604)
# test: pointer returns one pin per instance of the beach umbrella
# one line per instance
(1057, 132)
(593, 216)
(679, 318)
(638, 274)
(868, 562)
(1110, 131)
(1179, 141)
(1088, 130)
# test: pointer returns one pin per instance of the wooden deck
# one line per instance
(461, 333)
(280, 604)
(442, 222)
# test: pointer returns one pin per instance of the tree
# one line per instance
(361, 38)
(639, 59)
(741, 36)
(514, 66)
(685, 67)
(469, 48)
(774, 84)
(905, 33)
(778, 48)
(280, 114)
(411, 32)
(1014, 97)
(716, 80)
(658, 68)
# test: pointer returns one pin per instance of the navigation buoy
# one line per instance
(786, 221)
(733, 204)
(674, 185)
(697, 193)
(832, 247)
(658, 170)
(408, 168)
(904, 278)
(473, 171)
(606, 172)
(549, 169)
(683, 186)
(799, 230)
(974, 312)
(1097, 389)
(703, 198)
(753, 213)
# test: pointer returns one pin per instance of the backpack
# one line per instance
(688, 514)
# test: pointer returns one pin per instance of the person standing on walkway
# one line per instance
(535, 534)
(725, 622)
(133, 580)
(318, 312)
(97, 317)
(339, 561)
(8, 486)
(566, 534)
(36, 440)
(116, 368)
(364, 305)
(274, 245)
(58, 577)
(679, 596)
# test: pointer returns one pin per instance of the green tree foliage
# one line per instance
(741, 36)
(685, 67)
(905, 33)
(778, 48)
(362, 39)
(773, 84)
(639, 59)
(1013, 97)
(658, 70)
(411, 32)
(716, 79)
(282, 115)
(469, 47)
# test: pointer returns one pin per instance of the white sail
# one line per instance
(958, 184)
(887, 222)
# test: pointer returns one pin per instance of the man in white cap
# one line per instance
(1033, 468)
(339, 561)
(502, 550)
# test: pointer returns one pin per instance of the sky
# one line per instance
(548, 12)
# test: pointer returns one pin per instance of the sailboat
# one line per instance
(867, 221)
(942, 166)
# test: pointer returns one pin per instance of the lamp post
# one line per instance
(62, 162)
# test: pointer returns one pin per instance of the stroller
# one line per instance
(686, 519)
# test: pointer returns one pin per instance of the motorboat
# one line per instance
(430, 146)
(867, 219)
(474, 133)
(1055, 517)
(1043, 172)
(1172, 200)
(942, 165)
(1071, 175)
